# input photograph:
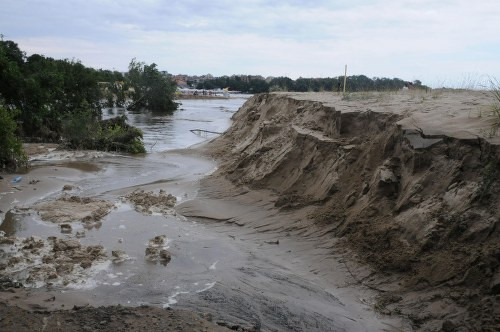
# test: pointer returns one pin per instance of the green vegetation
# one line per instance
(151, 89)
(82, 131)
(255, 84)
(48, 100)
(11, 148)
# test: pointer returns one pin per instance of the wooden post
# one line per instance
(345, 78)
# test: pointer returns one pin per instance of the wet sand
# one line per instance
(266, 277)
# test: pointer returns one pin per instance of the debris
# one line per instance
(68, 187)
(66, 228)
(16, 179)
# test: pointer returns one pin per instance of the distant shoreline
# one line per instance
(200, 97)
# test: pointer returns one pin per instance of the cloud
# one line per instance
(408, 38)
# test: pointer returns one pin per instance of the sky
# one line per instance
(441, 42)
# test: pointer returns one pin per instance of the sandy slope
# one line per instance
(409, 181)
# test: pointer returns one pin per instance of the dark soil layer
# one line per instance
(114, 318)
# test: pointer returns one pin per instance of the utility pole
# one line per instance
(345, 78)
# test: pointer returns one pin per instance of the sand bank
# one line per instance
(408, 181)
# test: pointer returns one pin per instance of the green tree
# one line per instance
(11, 148)
(152, 89)
(59, 99)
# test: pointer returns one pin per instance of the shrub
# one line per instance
(80, 130)
(11, 147)
(83, 131)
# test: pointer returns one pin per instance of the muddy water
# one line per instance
(173, 132)
(215, 268)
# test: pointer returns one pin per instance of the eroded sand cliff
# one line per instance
(408, 181)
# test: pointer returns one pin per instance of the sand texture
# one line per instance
(73, 208)
(407, 181)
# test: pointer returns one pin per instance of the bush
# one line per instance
(83, 131)
(11, 147)
(117, 135)
(80, 130)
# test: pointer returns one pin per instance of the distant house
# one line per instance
(181, 82)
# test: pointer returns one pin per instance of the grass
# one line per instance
(495, 91)
(496, 106)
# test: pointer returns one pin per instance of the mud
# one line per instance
(35, 262)
(149, 203)
(423, 216)
(90, 211)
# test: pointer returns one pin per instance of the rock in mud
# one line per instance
(118, 256)
(152, 252)
(158, 240)
(165, 255)
(148, 202)
(156, 252)
(80, 233)
(66, 228)
(68, 187)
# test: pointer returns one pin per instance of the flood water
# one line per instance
(210, 271)
(164, 132)
(112, 176)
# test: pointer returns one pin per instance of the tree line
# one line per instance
(252, 84)
(49, 100)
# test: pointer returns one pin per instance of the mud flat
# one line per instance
(405, 184)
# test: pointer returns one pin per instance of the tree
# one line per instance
(46, 94)
(11, 148)
(151, 89)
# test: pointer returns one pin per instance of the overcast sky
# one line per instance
(451, 42)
